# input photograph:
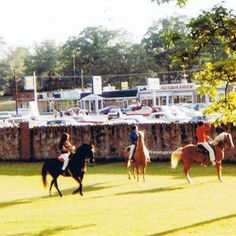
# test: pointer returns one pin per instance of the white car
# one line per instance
(5, 114)
(87, 120)
(15, 120)
(132, 119)
(58, 122)
(114, 113)
(180, 114)
(166, 117)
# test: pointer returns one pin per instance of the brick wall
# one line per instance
(42, 142)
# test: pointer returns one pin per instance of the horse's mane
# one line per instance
(219, 139)
(141, 134)
(80, 150)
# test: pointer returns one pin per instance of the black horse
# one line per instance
(76, 167)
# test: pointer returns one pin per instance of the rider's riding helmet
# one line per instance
(200, 122)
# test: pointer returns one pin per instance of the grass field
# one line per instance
(113, 205)
(7, 104)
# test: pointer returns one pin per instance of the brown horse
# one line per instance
(140, 157)
(191, 153)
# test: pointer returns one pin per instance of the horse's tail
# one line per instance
(44, 173)
(175, 157)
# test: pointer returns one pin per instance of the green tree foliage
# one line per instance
(178, 2)
(13, 63)
(215, 29)
(99, 51)
(163, 40)
(45, 59)
(220, 74)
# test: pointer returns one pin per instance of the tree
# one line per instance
(99, 51)
(179, 2)
(220, 74)
(163, 40)
(215, 29)
(12, 64)
(45, 59)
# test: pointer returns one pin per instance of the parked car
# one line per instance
(105, 110)
(76, 111)
(86, 119)
(142, 110)
(23, 111)
(161, 108)
(198, 106)
(5, 114)
(15, 120)
(5, 124)
(58, 122)
(199, 118)
(176, 111)
(167, 117)
(114, 113)
(132, 119)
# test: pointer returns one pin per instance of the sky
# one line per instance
(26, 22)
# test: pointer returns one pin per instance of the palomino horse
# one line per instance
(140, 157)
(76, 167)
(191, 153)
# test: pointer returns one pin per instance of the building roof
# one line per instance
(120, 93)
(91, 97)
(115, 94)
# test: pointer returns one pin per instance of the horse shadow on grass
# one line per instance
(155, 190)
(53, 231)
(15, 202)
(65, 192)
(86, 188)
(176, 230)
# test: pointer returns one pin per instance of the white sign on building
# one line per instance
(97, 85)
(153, 83)
(29, 83)
(178, 87)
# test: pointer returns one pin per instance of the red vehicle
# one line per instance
(134, 110)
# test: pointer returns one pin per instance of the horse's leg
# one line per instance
(186, 168)
(52, 182)
(128, 170)
(138, 172)
(134, 169)
(56, 185)
(219, 171)
(79, 189)
(144, 172)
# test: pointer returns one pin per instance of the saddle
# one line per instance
(201, 149)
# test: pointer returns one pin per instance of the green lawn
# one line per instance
(113, 205)
(7, 104)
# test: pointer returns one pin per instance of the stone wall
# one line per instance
(42, 142)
